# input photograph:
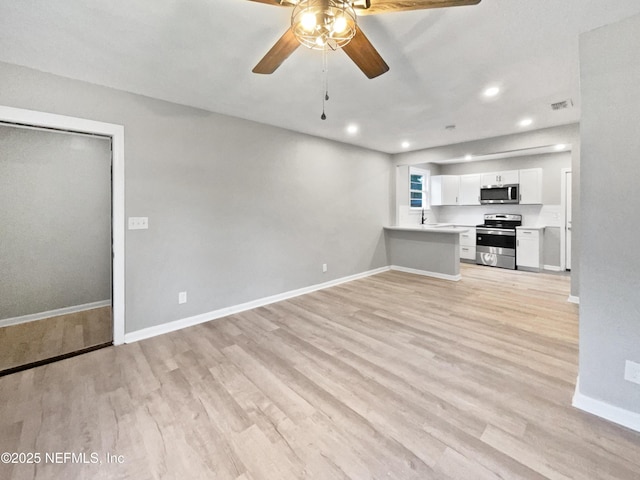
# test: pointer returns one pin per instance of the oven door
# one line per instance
(496, 241)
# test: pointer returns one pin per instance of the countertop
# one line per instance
(523, 227)
(435, 228)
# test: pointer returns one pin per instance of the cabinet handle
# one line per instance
(520, 197)
(517, 243)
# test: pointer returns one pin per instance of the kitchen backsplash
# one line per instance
(532, 215)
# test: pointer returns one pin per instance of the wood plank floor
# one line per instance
(51, 337)
(394, 376)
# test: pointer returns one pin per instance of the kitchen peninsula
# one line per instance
(431, 250)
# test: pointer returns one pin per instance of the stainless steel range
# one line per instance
(496, 240)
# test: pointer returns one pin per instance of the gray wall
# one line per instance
(55, 213)
(237, 210)
(426, 251)
(610, 274)
(567, 134)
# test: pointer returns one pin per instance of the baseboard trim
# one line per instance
(605, 410)
(425, 273)
(573, 299)
(552, 268)
(53, 313)
(224, 312)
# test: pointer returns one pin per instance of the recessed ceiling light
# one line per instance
(525, 122)
(468, 156)
(406, 144)
(560, 146)
(352, 129)
(492, 91)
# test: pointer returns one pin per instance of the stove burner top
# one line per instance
(503, 221)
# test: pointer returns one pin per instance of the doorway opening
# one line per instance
(87, 301)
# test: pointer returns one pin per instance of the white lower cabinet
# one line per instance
(467, 253)
(468, 245)
(529, 248)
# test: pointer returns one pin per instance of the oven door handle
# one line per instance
(507, 233)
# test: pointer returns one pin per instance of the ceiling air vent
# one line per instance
(562, 105)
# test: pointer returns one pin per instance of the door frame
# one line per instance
(34, 118)
(563, 228)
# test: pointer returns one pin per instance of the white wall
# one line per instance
(237, 210)
(610, 270)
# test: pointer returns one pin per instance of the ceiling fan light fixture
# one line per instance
(308, 21)
(340, 24)
(314, 22)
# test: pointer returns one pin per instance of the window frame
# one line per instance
(425, 204)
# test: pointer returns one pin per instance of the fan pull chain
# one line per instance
(325, 81)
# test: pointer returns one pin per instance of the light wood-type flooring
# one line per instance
(394, 376)
(32, 342)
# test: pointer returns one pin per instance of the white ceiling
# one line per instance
(201, 52)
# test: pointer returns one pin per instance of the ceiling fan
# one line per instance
(332, 24)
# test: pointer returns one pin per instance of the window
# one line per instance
(418, 188)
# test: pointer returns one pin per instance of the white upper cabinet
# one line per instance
(469, 189)
(531, 186)
(507, 177)
(444, 190)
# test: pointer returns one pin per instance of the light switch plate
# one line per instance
(632, 371)
(138, 223)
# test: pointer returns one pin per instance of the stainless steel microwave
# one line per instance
(500, 194)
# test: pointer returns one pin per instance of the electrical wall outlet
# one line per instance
(324, 268)
(182, 297)
(138, 223)
(632, 371)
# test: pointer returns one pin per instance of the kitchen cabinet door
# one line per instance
(468, 239)
(531, 186)
(528, 249)
(509, 177)
(444, 190)
(470, 189)
(467, 253)
(489, 179)
(506, 177)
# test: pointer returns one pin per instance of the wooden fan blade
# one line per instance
(365, 56)
(279, 3)
(387, 6)
(278, 53)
